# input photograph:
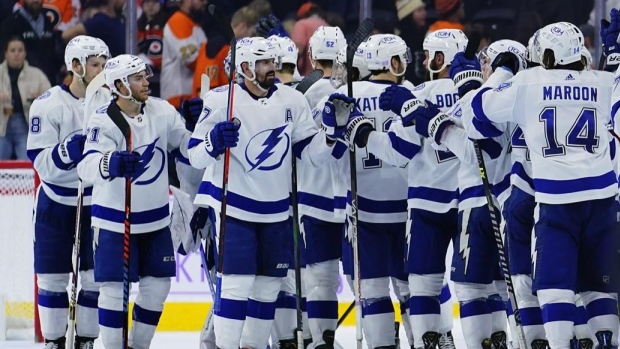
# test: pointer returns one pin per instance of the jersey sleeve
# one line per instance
(397, 146)
(494, 101)
(43, 144)
(103, 137)
(309, 143)
(178, 135)
(212, 113)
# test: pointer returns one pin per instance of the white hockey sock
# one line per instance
(147, 310)
(602, 310)
(424, 306)
(53, 303)
(285, 321)
(260, 312)
(378, 312)
(475, 313)
(446, 318)
(233, 307)
(111, 314)
(87, 322)
(558, 313)
(322, 301)
(531, 314)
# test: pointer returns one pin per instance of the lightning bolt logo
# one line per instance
(464, 243)
(269, 145)
(145, 159)
(534, 255)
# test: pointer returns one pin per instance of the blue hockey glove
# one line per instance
(466, 73)
(335, 116)
(430, 122)
(198, 223)
(398, 99)
(121, 164)
(610, 32)
(71, 149)
(506, 60)
(268, 26)
(224, 135)
(358, 129)
(190, 111)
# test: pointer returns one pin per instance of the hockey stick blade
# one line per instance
(363, 31)
(472, 45)
(309, 80)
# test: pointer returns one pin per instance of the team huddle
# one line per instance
(507, 155)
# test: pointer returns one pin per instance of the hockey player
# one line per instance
(566, 150)
(288, 55)
(323, 47)
(55, 145)
(382, 208)
(275, 124)
(432, 198)
(155, 128)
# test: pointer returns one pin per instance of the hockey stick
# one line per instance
(470, 52)
(92, 87)
(117, 118)
(302, 87)
(362, 32)
(223, 23)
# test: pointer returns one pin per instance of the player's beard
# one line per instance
(268, 80)
(140, 96)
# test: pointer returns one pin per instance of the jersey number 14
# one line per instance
(582, 134)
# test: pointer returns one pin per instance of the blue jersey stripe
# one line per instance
(118, 216)
(244, 203)
(476, 105)
(58, 162)
(315, 201)
(519, 170)
(554, 186)
(432, 194)
(379, 206)
(404, 148)
(67, 192)
(33, 153)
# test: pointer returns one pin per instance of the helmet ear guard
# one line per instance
(447, 41)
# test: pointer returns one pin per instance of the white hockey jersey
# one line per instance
(315, 187)
(521, 172)
(272, 128)
(55, 116)
(563, 115)
(381, 187)
(156, 131)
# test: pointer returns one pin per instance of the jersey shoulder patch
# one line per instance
(503, 86)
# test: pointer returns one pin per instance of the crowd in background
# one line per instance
(180, 41)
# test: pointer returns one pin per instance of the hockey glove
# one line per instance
(71, 149)
(610, 32)
(268, 26)
(358, 129)
(190, 111)
(224, 135)
(430, 122)
(466, 73)
(336, 113)
(507, 60)
(121, 164)
(399, 100)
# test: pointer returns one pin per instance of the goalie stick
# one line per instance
(302, 87)
(91, 89)
(118, 119)
(363, 31)
(223, 23)
(470, 52)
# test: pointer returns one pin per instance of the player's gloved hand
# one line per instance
(224, 135)
(507, 60)
(466, 73)
(610, 32)
(190, 111)
(71, 150)
(430, 122)
(358, 129)
(336, 114)
(398, 99)
(121, 164)
(268, 26)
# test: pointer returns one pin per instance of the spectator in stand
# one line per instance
(412, 28)
(151, 39)
(182, 39)
(37, 32)
(20, 84)
(107, 24)
(309, 18)
(451, 14)
(211, 56)
(62, 13)
(261, 7)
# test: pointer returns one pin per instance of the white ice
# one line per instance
(189, 340)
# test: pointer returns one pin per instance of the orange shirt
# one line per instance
(440, 24)
(61, 13)
(213, 67)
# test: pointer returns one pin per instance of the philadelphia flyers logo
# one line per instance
(52, 14)
(155, 46)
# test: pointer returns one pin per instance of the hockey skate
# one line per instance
(84, 342)
(540, 344)
(498, 340)
(604, 340)
(446, 341)
(55, 344)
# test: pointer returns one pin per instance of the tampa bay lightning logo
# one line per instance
(266, 151)
(152, 160)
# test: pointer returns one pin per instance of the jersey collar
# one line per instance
(269, 93)
(384, 82)
(68, 90)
